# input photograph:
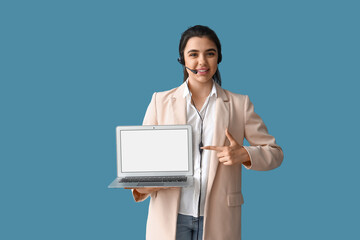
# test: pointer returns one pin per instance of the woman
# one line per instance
(211, 209)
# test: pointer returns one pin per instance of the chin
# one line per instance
(204, 79)
(201, 79)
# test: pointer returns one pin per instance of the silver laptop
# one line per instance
(153, 156)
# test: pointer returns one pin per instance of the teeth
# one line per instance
(202, 70)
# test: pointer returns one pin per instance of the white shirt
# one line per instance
(189, 197)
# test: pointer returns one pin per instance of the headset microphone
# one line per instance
(193, 71)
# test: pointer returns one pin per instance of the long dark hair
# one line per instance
(199, 31)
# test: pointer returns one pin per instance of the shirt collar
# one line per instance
(187, 91)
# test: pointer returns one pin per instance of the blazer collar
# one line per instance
(179, 105)
(179, 93)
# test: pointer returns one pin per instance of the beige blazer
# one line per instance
(222, 216)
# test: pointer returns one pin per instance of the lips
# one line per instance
(202, 70)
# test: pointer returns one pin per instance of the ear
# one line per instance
(219, 58)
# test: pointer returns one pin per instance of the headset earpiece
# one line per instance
(181, 60)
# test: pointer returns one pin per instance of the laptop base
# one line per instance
(117, 184)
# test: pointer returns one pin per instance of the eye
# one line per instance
(211, 54)
(193, 54)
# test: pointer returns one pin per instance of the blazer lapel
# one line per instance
(178, 104)
(221, 123)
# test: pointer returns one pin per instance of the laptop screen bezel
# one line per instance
(120, 173)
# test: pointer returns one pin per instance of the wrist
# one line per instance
(247, 159)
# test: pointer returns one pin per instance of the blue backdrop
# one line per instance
(71, 71)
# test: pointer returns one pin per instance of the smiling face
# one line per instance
(201, 54)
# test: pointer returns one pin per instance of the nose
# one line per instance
(202, 59)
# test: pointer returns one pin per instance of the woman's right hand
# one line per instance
(147, 190)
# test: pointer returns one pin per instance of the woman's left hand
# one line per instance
(233, 154)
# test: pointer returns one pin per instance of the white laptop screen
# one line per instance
(159, 150)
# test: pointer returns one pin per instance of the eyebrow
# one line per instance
(208, 50)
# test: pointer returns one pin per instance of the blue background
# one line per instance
(71, 71)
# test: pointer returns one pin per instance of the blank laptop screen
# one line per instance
(154, 150)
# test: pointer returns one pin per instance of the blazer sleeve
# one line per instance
(149, 119)
(264, 153)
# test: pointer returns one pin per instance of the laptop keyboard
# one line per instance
(154, 179)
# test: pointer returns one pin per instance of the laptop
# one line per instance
(153, 156)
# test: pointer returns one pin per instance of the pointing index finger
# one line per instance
(215, 148)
